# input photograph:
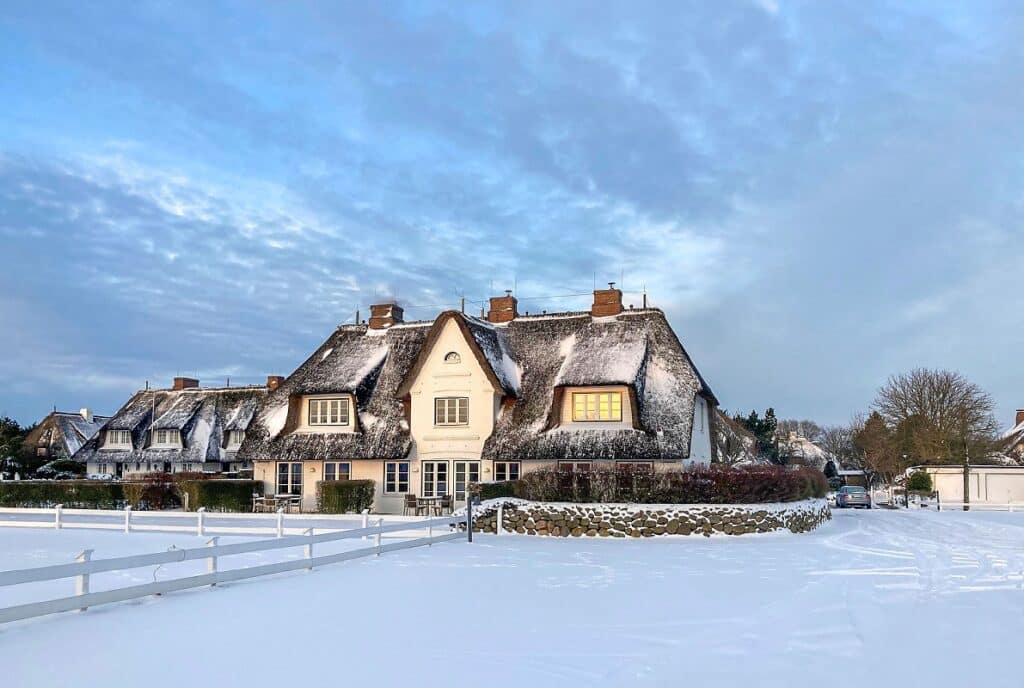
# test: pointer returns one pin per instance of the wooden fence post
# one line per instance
(211, 561)
(280, 523)
(200, 517)
(469, 519)
(309, 549)
(57, 510)
(82, 580)
(128, 518)
(376, 538)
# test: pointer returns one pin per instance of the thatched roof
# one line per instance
(203, 415)
(63, 433)
(529, 360)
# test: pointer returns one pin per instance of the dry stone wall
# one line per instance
(647, 520)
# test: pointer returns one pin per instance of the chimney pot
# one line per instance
(1020, 416)
(274, 381)
(86, 414)
(606, 302)
(384, 315)
(503, 308)
(181, 383)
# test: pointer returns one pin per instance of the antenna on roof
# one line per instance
(645, 295)
(147, 385)
(611, 285)
(462, 302)
(229, 382)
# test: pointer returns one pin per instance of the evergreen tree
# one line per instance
(764, 430)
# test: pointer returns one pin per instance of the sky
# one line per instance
(818, 194)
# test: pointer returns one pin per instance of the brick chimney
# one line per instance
(503, 308)
(1020, 417)
(274, 381)
(181, 383)
(384, 315)
(606, 302)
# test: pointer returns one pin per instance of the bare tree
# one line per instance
(937, 416)
(804, 428)
(838, 442)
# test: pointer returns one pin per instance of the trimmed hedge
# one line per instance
(920, 482)
(344, 496)
(219, 494)
(697, 485)
(73, 494)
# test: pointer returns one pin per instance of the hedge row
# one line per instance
(73, 494)
(219, 494)
(697, 485)
(344, 496)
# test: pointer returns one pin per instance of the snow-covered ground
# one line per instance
(874, 597)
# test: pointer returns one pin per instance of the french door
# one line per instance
(289, 478)
(466, 473)
(435, 478)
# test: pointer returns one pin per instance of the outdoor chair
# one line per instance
(410, 503)
(445, 506)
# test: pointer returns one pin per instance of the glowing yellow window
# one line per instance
(597, 406)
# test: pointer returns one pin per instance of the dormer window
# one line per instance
(119, 439)
(235, 438)
(451, 411)
(167, 438)
(596, 406)
(452, 357)
(328, 412)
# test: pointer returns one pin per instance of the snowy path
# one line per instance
(913, 598)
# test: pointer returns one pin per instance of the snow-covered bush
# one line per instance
(344, 496)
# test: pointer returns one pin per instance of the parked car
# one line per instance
(852, 496)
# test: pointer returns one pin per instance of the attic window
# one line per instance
(451, 411)
(235, 438)
(328, 411)
(596, 406)
(119, 439)
(167, 438)
(452, 357)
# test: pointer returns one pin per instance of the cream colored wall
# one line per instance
(700, 437)
(304, 425)
(565, 419)
(998, 485)
(439, 379)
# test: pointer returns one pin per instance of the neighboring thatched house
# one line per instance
(183, 429)
(796, 449)
(1012, 445)
(426, 408)
(61, 434)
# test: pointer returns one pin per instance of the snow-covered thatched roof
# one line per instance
(203, 416)
(64, 433)
(530, 360)
(1012, 444)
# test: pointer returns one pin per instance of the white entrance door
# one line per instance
(466, 473)
(435, 478)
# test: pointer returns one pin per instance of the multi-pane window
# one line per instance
(119, 438)
(574, 466)
(435, 478)
(101, 468)
(506, 470)
(396, 477)
(451, 411)
(337, 470)
(597, 406)
(235, 438)
(452, 357)
(166, 438)
(466, 473)
(328, 411)
(289, 478)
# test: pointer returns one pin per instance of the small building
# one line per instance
(186, 428)
(427, 408)
(988, 484)
(62, 433)
(1013, 439)
(852, 477)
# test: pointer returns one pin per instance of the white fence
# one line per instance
(943, 505)
(84, 565)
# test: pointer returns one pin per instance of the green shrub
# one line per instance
(218, 494)
(920, 482)
(493, 490)
(151, 491)
(73, 494)
(344, 496)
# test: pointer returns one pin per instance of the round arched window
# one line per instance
(452, 357)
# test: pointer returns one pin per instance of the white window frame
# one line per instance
(393, 481)
(466, 473)
(328, 412)
(234, 435)
(293, 478)
(167, 438)
(503, 470)
(596, 407)
(101, 468)
(450, 411)
(335, 470)
(436, 479)
(119, 439)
